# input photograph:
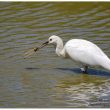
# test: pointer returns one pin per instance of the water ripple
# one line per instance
(25, 25)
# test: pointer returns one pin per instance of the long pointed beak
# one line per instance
(32, 51)
(43, 45)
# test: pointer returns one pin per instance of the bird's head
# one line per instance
(53, 39)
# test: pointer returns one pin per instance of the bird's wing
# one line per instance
(84, 53)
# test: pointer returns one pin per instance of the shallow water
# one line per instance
(45, 80)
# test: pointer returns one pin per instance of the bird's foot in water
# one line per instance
(84, 70)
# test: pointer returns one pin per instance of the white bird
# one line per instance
(79, 50)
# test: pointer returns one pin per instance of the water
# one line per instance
(45, 80)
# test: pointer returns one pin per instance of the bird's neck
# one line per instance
(59, 47)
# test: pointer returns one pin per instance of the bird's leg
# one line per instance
(84, 70)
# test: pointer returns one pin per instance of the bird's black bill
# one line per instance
(43, 45)
(32, 51)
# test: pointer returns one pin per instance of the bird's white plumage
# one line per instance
(82, 51)
(85, 52)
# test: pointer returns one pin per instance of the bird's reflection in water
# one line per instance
(84, 90)
(89, 71)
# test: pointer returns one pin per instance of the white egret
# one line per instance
(79, 50)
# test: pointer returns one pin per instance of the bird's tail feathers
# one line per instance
(105, 63)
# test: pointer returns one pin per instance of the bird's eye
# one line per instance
(50, 39)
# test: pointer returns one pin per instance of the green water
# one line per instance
(46, 80)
